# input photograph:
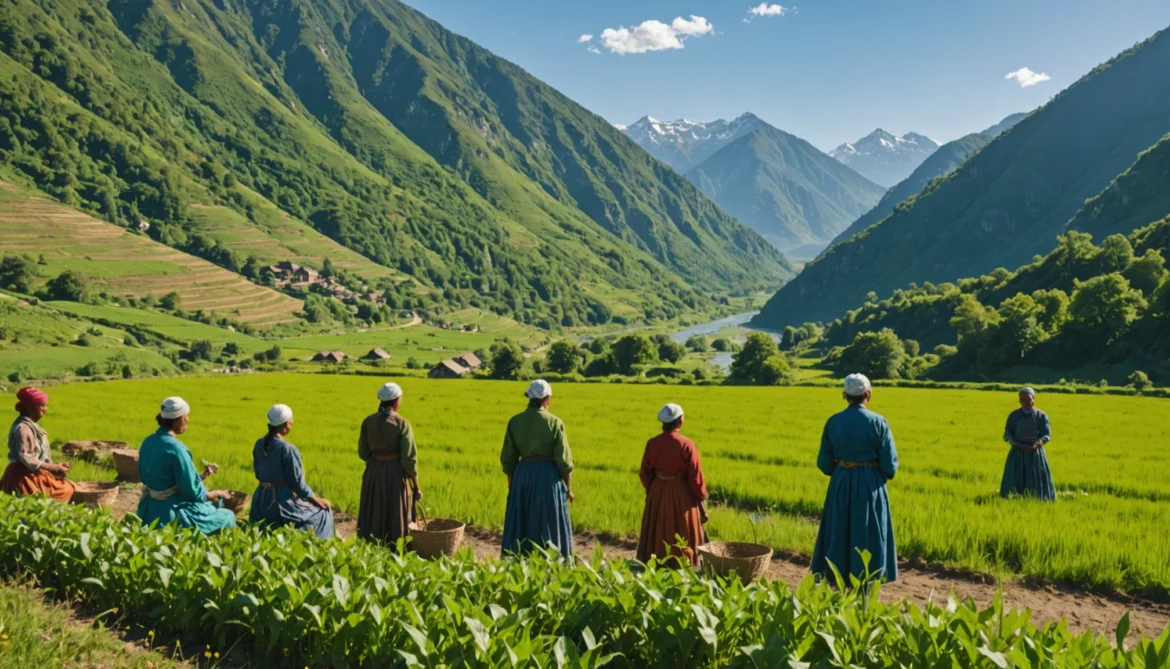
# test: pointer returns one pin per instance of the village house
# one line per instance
(447, 369)
(377, 354)
(283, 269)
(468, 360)
(304, 275)
(329, 356)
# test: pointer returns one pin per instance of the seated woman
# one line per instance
(283, 497)
(171, 489)
(675, 494)
(30, 469)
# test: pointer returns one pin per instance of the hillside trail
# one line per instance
(1083, 610)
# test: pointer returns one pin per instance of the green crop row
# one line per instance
(284, 597)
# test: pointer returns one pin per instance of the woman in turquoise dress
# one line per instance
(1026, 471)
(172, 490)
(858, 454)
(283, 497)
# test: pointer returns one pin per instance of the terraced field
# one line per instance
(124, 263)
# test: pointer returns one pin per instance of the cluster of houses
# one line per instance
(300, 277)
(451, 368)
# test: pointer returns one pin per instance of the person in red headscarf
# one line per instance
(31, 470)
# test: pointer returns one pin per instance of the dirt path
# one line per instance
(917, 583)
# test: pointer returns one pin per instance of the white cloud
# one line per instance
(1027, 77)
(654, 35)
(765, 9)
(585, 38)
(593, 49)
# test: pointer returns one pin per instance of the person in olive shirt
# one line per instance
(539, 465)
(386, 445)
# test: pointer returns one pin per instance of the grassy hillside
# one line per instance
(412, 146)
(1136, 197)
(1008, 202)
(784, 188)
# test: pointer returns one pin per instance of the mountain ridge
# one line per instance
(885, 158)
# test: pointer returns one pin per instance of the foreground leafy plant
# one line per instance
(285, 595)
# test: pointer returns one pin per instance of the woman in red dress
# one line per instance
(31, 470)
(675, 492)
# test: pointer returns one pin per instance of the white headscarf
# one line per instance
(1027, 391)
(279, 414)
(174, 407)
(389, 392)
(670, 413)
(856, 385)
(538, 390)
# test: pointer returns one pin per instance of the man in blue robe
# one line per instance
(859, 457)
(1026, 472)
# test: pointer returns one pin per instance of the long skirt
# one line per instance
(274, 507)
(207, 517)
(1026, 473)
(538, 510)
(856, 518)
(387, 503)
(20, 480)
(671, 512)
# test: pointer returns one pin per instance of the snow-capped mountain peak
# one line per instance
(684, 143)
(885, 158)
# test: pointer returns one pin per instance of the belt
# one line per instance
(160, 495)
(663, 476)
(537, 458)
(386, 458)
(272, 485)
(851, 465)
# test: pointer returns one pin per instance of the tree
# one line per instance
(722, 345)
(1020, 329)
(507, 360)
(632, 352)
(670, 350)
(17, 273)
(1146, 273)
(775, 372)
(1116, 253)
(326, 269)
(697, 343)
(602, 365)
(1103, 308)
(971, 317)
(1054, 306)
(273, 354)
(202, 350)
(68, 285)
(789, 338)
(563, 357)
(170, 301)
(231, 348)
(878, 355)
(760, 362)
(1140, 381)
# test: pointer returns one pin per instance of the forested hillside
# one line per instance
(398, 139)
(1008, 202)
(1138, 195)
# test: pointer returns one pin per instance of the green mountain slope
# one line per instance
(1008, 202)
(1136, 197)
(394, 137)
(784, 188)
(942, 162)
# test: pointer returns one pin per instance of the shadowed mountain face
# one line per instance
(1007, 202)
(394, 136)
(883, 158)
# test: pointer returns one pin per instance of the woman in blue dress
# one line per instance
(283, 497)
(858, 454)
(1026, 472)
(172, 491)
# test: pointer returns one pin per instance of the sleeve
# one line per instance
(294, 472)
(363, 443)
(28, 450)
(191, 489)
(825, 457)
(695, 478)
(1045, 428)
(408, 450)
(888, 452)
(646, 472)
(1009, 430)
(562, 455)
(510, 453)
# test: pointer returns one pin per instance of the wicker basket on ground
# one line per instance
(126, 462)
(235, 501)
(95, 493)
(724, 557)
(435, 537)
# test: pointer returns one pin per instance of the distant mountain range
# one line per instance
(1097, 141)
(884, 158)
(778, 184)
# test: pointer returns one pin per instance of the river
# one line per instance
(723, 360)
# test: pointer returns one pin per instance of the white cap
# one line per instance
(856, 385)
(538, 390)
(389, 392)
(1027, 391)
(174, 407)
(279, 414)
(670, 413)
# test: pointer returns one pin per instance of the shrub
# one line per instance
(1139, 381)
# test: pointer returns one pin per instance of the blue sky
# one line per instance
(829, 71)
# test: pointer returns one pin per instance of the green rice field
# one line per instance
(758, 446)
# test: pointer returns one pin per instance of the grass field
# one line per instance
(126, 264)
(758, 446)
(154, 321)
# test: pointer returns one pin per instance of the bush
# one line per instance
(507, 359)
(563, 357)
(878, 355)
(413, 363)
(69, 286)
(1139, 381)
(668, 372)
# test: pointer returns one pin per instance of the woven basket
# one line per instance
(126, 462)
(434, 537)
(95, 493)
(725, 557)
(236, 501)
